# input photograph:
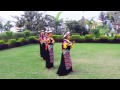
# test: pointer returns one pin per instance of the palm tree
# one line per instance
(91, 23)
(57, 20)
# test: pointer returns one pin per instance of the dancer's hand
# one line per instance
(73, 42)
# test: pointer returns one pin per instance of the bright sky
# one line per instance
(72, 15)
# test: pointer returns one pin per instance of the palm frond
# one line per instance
(57, 16)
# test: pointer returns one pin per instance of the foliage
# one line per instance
(19, 35)
(74, 26)
(96, 32)
(34, 33)
(8, 34)
(12, 41)
(104, 37)
(102, 16)
(89, 36)
(75, 37)
(7, 26)
(57, 36)
(103, 31)
(33, 39)
(27, 33)
(31, 20)
(97, 39)
(2, 42)
(117, 37)
(110, 39)
(21, 40)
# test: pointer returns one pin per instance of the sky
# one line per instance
(71, 15)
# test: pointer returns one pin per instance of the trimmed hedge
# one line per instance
(103, 39)
(58, 38)
(111, 40)
(89, 38)
(33, 39)
(19, 35)
(12, 42)
(34, 33)
(117, 38)
(3, 45)
(97, 40)
(23, 41)
(2, 42)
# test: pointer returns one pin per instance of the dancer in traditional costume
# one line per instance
(44, 44)
(49, 53)
(40, 42)
(66, 63)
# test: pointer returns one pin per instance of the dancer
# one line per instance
(49, 53)
(41, 42)
(66, 63)
(44, 44)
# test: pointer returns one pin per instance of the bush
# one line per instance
(8, 33)
(18, 43)
(27, 33)
(117, 38)
(3, 45)
(33, 39)
(97, 40)
(75, 37)
(75, 33)
(89, 38)
(111, 39)
(21, 40)
(33, 33)
(103, 39)
(96, 32)
(57, 36)
(82, 39)
(19, 35)
(12, 42)
(2, 42)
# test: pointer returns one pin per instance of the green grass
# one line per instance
(91, 61)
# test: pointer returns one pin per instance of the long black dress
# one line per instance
(40, 49)
(49, 55)
(66, 64)
(40, 38)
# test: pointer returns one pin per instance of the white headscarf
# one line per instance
(66, 34)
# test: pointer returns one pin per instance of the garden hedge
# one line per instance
(89, 38)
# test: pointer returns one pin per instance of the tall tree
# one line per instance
(102, 16)
(31, 20)
(8, 26)
(73, 26)
(1, 25)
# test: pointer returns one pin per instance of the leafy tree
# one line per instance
(8, 26)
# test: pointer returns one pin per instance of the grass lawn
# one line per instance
(91, 61)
